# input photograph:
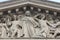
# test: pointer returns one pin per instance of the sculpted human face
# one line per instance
(27, 13)
(8, 23)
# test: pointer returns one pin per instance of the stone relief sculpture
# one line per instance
(41, 25)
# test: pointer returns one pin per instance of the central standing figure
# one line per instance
(28, 24)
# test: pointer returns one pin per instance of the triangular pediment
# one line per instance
(31, 16)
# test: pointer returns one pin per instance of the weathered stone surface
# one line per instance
(20, 21)
(53, 39)
(22, 39)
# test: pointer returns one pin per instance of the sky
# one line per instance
(49, 0)
(3, 0)
(55, 1)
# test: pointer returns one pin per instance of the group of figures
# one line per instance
(39, 26)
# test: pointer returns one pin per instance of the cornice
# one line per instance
(44, 4)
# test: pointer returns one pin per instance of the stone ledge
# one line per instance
(22, 39)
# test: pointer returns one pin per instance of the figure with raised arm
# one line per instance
(16, 28)
(44, 25)
(57, 28)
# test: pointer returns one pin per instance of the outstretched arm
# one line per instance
(38, 24)
(36, 15)
(51, 24)
(39, 15)
(58, 23)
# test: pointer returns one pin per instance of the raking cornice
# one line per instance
(44, 4)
